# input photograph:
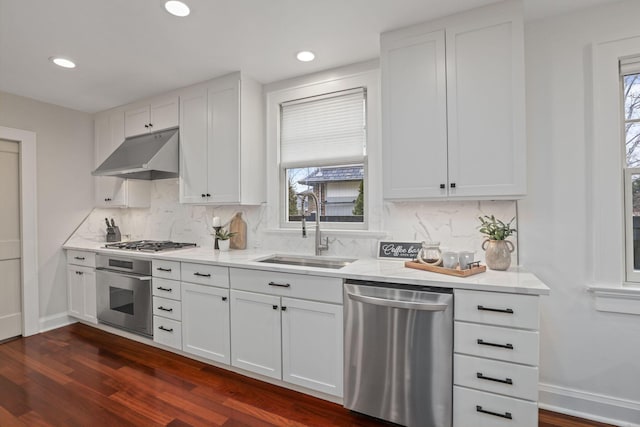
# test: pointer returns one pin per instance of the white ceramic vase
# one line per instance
(498, 253)
(224, 245)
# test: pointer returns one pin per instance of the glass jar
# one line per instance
(430, 253)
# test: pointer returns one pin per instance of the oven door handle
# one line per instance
(120, 273)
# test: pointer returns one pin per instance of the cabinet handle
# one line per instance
(201, 274)
(208, 195)
(165, 309)
(509, 381)
(81, 258)
(107, 199)
(203, 195)
(79, 272)
(150, 125)
(452, 185)
(281, 285)
(506, 415)
(275, 307)
(442, 186)
(165, 329)
(224, 298)
(147, 126)
(497, 310)
(160, 288)
(284, 308)
(168, 270)
(507, 346)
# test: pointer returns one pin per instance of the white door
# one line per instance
(164, 113)
(193, 145)
(312, 345)
(10, 263)
(255, 333)
(205, 322)
(136, 121)
(109, 134)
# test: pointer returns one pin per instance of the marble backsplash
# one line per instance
(453, 223)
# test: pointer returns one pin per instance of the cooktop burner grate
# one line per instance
(149, 245)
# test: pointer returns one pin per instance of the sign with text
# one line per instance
(399, 250)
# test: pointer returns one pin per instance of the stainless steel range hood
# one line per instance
(148, 156)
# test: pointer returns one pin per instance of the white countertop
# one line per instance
(514, 280)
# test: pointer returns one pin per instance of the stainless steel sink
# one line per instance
(308, 261)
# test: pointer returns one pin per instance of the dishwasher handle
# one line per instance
(408, 305)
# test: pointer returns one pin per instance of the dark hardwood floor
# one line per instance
(81, 376)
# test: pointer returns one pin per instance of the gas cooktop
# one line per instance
(149, 245)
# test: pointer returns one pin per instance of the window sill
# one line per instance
(617, 299)
(364, 234)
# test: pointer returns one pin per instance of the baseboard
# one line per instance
(591, 406)
(56, 321)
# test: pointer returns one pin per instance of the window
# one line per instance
(322, 151)
(630, 82)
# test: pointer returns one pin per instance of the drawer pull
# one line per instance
(492, 344)
(506, 415)
(165, 309)
(160, 288)
(505, 381)
(281, 285)
(495, 310)
(168, 270)
(201, 274)
(79, 258)
(165, 329)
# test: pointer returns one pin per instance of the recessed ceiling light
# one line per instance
(62, 62)
(305, 56)
(177, 8)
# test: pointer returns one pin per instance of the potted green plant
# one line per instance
(223, 237)
(497, 249)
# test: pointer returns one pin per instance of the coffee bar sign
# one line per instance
(398, 250)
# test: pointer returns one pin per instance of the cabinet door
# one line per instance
(414, 127)
(193, 145)
(81, 293)
(312, 345)
(136, 121)
(164, 113)
(485, 89)
(108, 134)
(255, 333)
(224, 141)
(205, 322)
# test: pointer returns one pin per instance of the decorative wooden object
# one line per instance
(238, 226)
(450, 271)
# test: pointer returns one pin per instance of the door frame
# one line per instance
(29, 227)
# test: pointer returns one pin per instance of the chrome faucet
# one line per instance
(319, 245)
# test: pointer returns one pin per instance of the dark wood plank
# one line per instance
(79, 376)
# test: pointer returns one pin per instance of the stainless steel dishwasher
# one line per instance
(399, 352)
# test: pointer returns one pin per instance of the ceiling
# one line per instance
(131, 49)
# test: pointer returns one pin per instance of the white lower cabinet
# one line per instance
(285, 337)
(167, 332)
(81, 285)
(495, 364)
(255, 333)
(205, 322)
(312, 345)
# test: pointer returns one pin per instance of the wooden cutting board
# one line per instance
(238, 226)
(450, 271)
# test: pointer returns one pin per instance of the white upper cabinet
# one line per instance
(453, 107)
(111, 191)
(160, 113)
(222, 142)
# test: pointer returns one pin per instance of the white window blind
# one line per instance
(630, 65)
(323, 129)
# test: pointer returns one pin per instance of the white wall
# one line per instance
(65, 187)
(590, 360)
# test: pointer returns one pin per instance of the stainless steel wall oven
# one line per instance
(124, 293)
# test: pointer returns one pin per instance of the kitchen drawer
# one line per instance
(165, 269)
(480, 409)
(511, 345)
(167, 332)
(166, 288)
(87, 259)
(168, 308)
(497, 377)
(518, 311)
(204, 274)
(328, 289)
